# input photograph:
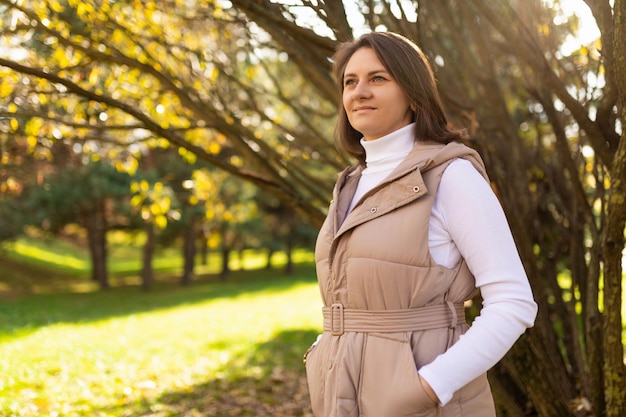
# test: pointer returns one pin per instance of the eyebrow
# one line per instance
(369, 73)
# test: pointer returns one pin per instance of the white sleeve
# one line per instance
(476, 223)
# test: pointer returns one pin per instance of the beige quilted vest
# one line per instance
(389, 308)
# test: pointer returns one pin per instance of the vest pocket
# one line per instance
(314, 377)
(389, 384)
(474, 399)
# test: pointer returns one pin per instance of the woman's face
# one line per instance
(375, 103)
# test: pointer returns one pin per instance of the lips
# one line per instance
(362, 109)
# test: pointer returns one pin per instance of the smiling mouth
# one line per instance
(360, 109)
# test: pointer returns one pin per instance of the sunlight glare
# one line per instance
(588, 29)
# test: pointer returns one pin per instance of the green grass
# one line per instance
(125, 352)
(35, 264)
(210, 349)
(124, 255)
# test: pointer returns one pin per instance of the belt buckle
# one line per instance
(336, 308)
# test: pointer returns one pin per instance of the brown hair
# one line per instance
(408, 65)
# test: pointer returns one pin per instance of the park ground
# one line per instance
(213, 348)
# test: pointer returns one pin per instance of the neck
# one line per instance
(395, 145)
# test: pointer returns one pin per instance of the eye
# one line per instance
(349, 81)
(378, 78)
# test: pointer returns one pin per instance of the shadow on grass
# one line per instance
(268, 380)
(25, 314)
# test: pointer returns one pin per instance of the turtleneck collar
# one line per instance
(388, 149)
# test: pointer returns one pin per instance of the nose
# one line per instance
(361, 91)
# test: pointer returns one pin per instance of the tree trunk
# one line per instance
(95, 223)
(204, 251)
(613, 244)
(548, 391)
(225, 266)
(268, 263)
(189, 252)
(147, 271)
(241, 257)
(289, 252)
(594, 336)
(613, 241)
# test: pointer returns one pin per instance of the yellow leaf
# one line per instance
(144, 186)
(214, 74)
(14, 125)
(131, 166)
(93, 77)
(6, 88)
(187, 156)
(136, 200)
(12, 108)
(81, 10)
(236, 161)
(119, 166)
(56, 6)
(32, 142)
(160, 221)
(33, 126)
(214, 148)
(117, 37)
(158, 187)
(214, 240)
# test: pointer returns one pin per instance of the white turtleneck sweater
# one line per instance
(479, 232)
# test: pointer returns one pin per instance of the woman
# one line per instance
(413, 231)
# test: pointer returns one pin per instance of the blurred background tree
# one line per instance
(244, 87)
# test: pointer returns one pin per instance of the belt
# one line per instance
(338, 319)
